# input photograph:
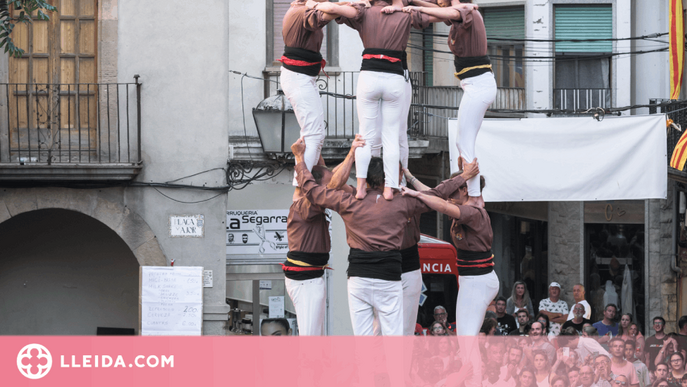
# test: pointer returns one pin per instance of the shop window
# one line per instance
(614, 251)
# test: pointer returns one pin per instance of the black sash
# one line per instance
(303, 55)
(475, 262)
(383, 65)
(384, 265)
(410, 259)
(470, 62)
(301, 273)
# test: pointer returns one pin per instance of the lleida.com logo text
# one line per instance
(34, 361)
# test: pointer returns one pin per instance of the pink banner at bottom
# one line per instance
(248, 361)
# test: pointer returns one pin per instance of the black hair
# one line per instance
(659, 318)
(318, 173)
(682, 322)
(501, 298)
(281, 321)
(375, 173)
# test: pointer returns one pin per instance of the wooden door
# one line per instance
(53, 114)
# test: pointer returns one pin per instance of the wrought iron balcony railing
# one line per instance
(341, 115)
(581, 99)
(70, 124)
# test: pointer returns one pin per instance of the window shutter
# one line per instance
(505, 23)
(280, 7)
(576, 22)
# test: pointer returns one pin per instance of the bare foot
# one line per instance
(388, 193)
(361, 189)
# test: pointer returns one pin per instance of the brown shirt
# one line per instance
(307, 228)
(302, 27)
(412, 234)
(468, 37)
(472, 232)
(372, 224)
(385, 31)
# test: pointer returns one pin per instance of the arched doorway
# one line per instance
(65, 273)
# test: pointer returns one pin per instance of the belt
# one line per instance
(465, 70)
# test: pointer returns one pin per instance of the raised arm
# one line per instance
(332, 10)
(414, 181)
(447, 13)
(343, 171)
(316, 194)
(435, 202)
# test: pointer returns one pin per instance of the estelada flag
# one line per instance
(679, 157)
(677, 48)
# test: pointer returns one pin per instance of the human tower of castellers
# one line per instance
(382, 214)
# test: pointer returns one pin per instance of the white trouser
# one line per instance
(302, 92)
(475, 293)
(478, 93)
(380, 94)
(308, 298)
(411, 282)
(403, 132)
(370, 298)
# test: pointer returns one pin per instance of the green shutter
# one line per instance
(505, 23)
(428, 55)
(584, 22)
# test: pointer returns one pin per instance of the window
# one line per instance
(582, 71)
(58, 64)
(275, 44)
(506, 55)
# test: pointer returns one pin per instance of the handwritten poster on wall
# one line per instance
(171, 301)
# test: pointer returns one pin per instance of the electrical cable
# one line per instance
(185, 202)
(643, 37)
(550, 58)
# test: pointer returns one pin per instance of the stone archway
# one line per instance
(105, 205)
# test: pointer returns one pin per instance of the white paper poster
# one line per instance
(171, 301)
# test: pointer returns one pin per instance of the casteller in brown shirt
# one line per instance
(307, 229)
(472, 235)
(385, 31)
(302, 27)
(373, 224)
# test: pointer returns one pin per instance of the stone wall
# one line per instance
(565, 244)
(662, 292)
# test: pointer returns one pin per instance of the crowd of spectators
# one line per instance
(557, 347)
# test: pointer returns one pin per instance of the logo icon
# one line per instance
(34, 361)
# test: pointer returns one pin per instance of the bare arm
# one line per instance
(332, 10)
(414, 181)
(448, 13)
(421, 3)
(343, 170)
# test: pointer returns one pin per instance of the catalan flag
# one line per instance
(679, 157)
(677, 49)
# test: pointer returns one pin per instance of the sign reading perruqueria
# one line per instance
(189, 226)
(257, 232)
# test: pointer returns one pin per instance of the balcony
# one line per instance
(433, 106)
(427, 119)
(70, 132)
(581, 99)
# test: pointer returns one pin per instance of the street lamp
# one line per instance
(276, 123)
